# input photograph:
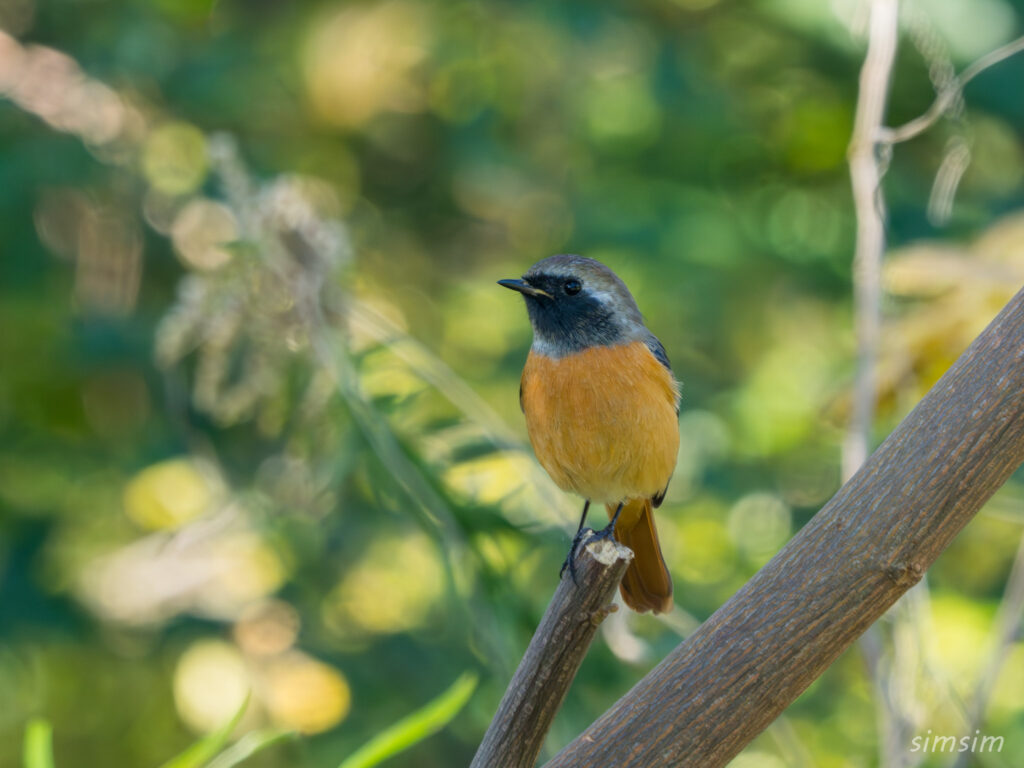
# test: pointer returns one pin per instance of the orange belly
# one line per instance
(603, 422)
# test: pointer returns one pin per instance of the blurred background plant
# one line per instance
(259, 432)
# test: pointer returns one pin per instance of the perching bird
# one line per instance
(602, 408)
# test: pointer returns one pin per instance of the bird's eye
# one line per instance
(572, 287)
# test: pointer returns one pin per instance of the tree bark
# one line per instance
(533, 697)
(876, 537)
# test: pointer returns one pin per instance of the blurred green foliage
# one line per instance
(259, 433)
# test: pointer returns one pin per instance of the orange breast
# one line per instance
(603, 422)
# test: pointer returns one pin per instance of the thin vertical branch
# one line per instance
(866, 177)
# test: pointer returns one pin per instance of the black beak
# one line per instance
(524, 288)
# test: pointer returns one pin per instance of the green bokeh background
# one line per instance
(216, 478)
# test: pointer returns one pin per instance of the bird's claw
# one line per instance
(608, 532)
(570, 559)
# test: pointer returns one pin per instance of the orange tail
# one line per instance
(647, 585)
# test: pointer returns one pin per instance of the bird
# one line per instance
(602, 409)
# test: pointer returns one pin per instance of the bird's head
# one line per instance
(575, 303)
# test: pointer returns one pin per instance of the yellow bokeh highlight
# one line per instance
(507, 553)
(174, 158)
(200, 232)
(302, 693)
(961, 638)
(492, 478)
(392, 588)
(363, 61)
(210, 683)
(267, 627)
(295, 691)
(383, 375)
(250, 569)
(170, 494)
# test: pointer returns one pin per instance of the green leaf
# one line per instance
(414, 728)
(38, 750)
(207, 748)
(249, 745)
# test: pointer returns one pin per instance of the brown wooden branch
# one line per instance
(534, 695)
(865, 548)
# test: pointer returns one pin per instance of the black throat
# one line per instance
(565, 324)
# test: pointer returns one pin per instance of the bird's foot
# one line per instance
(588, 535)
(608, 532)
(570, 559)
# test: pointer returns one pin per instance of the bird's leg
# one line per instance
(583, 519)
(570, 559)
(605, 533)
(608, 532)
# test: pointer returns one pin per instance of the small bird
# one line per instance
(602, 409)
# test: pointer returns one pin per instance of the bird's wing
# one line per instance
(658, 350)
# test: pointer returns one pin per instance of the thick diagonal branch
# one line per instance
(870, 543)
